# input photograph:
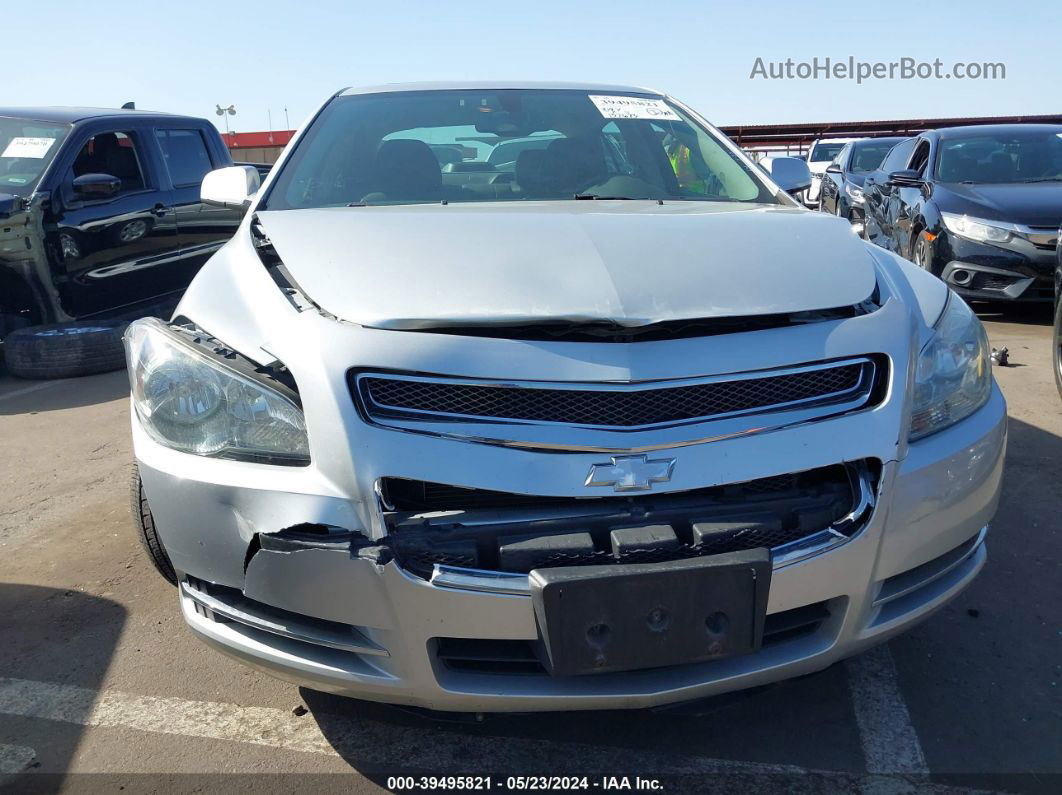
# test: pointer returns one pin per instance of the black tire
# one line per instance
(145, 529)
(62, 350)
(1056, 358)
(922, 253)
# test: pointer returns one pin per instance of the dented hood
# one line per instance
(631, 263)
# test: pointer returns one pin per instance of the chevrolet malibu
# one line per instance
(605, 421)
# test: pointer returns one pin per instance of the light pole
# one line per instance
(226, 112)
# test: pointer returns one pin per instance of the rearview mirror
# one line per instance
(907, 178)
(96, 186)
(234, 186)
(833, 168)
(791, 174)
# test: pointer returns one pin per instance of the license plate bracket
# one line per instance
(597, 619)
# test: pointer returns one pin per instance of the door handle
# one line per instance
(159, 209)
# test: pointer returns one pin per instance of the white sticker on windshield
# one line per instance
(633, 108)
(35, 148)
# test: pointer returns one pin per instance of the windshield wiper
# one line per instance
(598, 197)
(1043, 179)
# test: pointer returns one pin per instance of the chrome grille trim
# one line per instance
(858, 374)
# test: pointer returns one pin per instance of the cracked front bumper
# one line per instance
(345, 624)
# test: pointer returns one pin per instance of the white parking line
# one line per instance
(890, 742)
(364, 740)
(32, 388)
(15, 758)
(418, 748)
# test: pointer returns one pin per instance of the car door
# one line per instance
(202, 228)
(905, 202)
(830, 192)
(110, 251)
(877, 190)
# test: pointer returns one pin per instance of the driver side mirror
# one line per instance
(233, 187)
(907, 178)
(791, 174)
(91, 187)
(833, 168)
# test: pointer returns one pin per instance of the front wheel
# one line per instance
(922, 256)
(1056, 358)
(146, 531)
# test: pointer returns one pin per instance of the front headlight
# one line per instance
(855, 193)
(190, 402)
(974, 229)
(953, 377)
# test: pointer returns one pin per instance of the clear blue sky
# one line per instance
(186, 56)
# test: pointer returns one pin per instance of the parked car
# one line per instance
(820, 154)
(629, 428)
(977, 206)
(100, 220)
(841, 189)
(1057, 344)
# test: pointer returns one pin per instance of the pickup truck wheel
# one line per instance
(146, 531)
(62, 350)
(1056, 358)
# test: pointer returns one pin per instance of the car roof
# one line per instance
(70, 115)
(973, 129)
(883, 139)
(497, 85)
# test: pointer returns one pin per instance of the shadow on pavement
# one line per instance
(1038, 314)
(743, 735)
(50, 637)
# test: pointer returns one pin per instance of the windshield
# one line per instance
(868, 156)
(823, 153)
(26, 149)
(507, 145)
(996, 157)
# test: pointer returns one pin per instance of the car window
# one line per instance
(868, 155)
(186, 156)
(26, 149)
(508, 145)
(1032, 154)
(898, 156)
(840, 157)
(920, 157)
(113, 153)
(824, 152)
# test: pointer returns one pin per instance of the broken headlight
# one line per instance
(190, 401)
(953, 377)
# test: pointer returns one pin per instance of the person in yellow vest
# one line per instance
(679, 155)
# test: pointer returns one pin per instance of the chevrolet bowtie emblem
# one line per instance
(631, 473)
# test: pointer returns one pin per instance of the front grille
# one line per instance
(434, 524)
(613, 406)
(515, 657)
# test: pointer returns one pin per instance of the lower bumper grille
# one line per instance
(517, 533)
(516, 657)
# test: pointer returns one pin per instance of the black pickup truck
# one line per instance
(100, 222)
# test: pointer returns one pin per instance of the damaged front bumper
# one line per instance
(347, 613)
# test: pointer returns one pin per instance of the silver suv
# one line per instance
(606, 421)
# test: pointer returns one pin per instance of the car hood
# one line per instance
(627, 263)
(1031, 204)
